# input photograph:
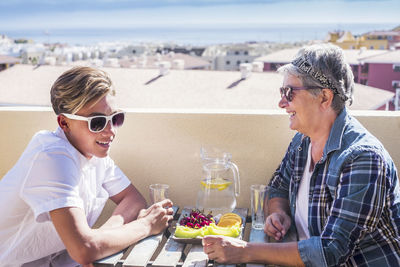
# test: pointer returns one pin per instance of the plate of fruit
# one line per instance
(192, 227)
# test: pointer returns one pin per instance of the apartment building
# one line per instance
(382, 71)
(374, 40)
(229, 57)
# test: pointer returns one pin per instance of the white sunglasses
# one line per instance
(98, 123)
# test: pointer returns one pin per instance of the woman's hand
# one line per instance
(157, 216)
(277, 225)
(224, 249)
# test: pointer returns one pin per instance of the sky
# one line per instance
(52, 14)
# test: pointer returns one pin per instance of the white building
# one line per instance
(229, 57)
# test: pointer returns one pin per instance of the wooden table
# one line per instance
(259, 236)
(163, 251)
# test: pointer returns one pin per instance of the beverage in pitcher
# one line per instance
(220, 183)
(216, 195)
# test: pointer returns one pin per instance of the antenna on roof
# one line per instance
(258, 66)
(178, 64)
(164, 67)
(245, 70)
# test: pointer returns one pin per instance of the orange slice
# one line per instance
(231, 215)
(229, 219)
(228, 223)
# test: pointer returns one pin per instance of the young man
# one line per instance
(56, 191)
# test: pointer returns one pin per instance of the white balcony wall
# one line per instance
(163, 146)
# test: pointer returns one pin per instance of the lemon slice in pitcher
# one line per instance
(216, 183)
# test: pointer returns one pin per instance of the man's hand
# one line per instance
(224, 249)
(157, 216)
(277, 225)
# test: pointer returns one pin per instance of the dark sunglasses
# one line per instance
(287, 91)
(98, 123)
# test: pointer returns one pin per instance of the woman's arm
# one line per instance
(86, 245)
(357, 207)
(278, 221)
(276, 204)
(232, 250)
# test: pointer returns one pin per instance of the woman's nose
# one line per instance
(283, 102)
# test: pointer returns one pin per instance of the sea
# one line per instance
(194, 35)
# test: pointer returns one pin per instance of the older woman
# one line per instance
(337, 185)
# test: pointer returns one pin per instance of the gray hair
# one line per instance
(324, 65)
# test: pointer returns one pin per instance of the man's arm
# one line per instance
(86, 245)
(129, 203)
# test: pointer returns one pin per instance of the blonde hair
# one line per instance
(78, 86)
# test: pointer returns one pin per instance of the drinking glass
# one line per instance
(158, 192)
(258, 193)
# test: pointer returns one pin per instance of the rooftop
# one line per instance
(388, 57)
(390, 33)
(180, 89)
(352, 56)
(346, 37)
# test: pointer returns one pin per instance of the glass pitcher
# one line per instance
(220, 183)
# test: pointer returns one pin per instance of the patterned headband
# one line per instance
(306, 67)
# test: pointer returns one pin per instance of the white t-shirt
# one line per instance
(301, 213)
(50, 174)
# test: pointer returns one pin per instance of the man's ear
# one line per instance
(62, 122)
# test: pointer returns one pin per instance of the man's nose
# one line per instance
(110, 129)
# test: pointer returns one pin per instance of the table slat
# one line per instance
(111, 260)
(260, 237)
(142, 252)
(172, 251)
(170, 254)
(115, 258)
(196, 257)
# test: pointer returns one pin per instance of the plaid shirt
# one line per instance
(354, 201)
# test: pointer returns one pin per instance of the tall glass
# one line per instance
(258, 193)
(158, 192)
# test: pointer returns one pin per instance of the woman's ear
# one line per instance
(326, 97)
(62, 122)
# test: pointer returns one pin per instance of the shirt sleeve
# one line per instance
(355, 211)
(280, 181)
(115, 180)
(51, 183)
